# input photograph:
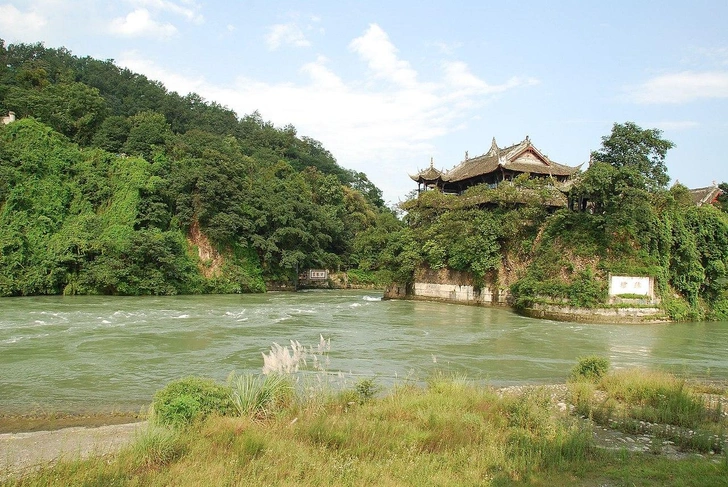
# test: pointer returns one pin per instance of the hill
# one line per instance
(111, 184)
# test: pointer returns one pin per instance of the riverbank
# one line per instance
(19, 423)
(500, 298)
(451, 432)
(28, 451)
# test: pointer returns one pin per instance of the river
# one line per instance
(105, 354)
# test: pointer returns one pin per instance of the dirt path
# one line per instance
(23, 452)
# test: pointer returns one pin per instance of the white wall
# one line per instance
(630, 285)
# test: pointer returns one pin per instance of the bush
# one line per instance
(591, 368)
(720, 310)
(183, 401)
(678, 309)
(586, 291)
(366, 389)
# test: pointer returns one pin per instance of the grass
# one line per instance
(259, 396)
(637, 401)
(451, 432)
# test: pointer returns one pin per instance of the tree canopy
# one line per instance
(111, 184)
(642, 152)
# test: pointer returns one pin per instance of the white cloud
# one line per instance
(21, 25)
(447, 48)
(188, 11)
(172, 81)
(683, 87)
(289, 34)
(139, 23)
(381, 56)
(459, 76)
(321, 76)
(382, 130)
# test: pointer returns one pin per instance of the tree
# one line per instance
(722, 203)
(147, 130)
(642, 150)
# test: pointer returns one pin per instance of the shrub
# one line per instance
(720, 310)
(678, 309)
(183, 401)
(364, 277)
(591, 368)
(586, 291)
(366, 389)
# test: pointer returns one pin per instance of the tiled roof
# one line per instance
(703, 196)
(522, 157)
(429, 174)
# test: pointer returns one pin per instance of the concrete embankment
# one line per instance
(596, 315)
(462, 292)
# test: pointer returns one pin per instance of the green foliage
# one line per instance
(163, 194)
(586, 291)
(591, 368)
(634, 228)
(183, 401)
(661, 402)
(640, 151)
(720, 310)
(366, 389)
(455, 434)
(722, 202)
(360, 277)
(155, 446)
(259, 396)
(678, 309)
(147, 130)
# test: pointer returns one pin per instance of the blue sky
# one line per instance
(385, 86)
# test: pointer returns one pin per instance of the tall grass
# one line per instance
(449, 433)
(657, 397)
(259, 396)
(638, 401)
(282, 360)
(276, 429)
(155, 446)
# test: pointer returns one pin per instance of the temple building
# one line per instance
(493, 167)
(706, 196)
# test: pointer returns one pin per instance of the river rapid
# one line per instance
(110, 354)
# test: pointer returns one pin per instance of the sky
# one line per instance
(389, 86)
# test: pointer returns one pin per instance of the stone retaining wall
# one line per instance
(596, 315)
(451, 287)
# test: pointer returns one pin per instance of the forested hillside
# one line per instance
(111, 184)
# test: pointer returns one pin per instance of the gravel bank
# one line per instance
(21, 453)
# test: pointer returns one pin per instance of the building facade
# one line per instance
(494, 167)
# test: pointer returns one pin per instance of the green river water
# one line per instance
(102, 354)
